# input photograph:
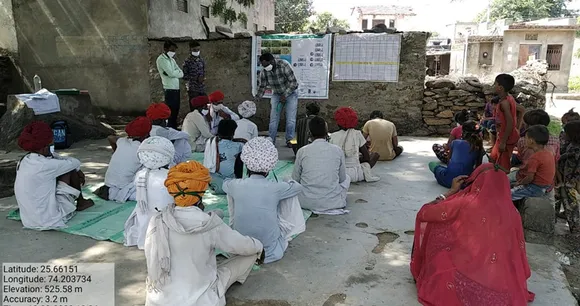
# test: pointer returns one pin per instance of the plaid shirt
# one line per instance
(281, 79)
(193, 69)
(524, 154)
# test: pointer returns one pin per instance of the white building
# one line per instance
(393, 16)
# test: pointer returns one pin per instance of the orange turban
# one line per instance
(140, 127)
(187, 183)
(158, 111)
(35, 136)
(346, 118)
(216, 96)
(199, 101)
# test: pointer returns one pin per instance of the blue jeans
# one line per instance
(275, 111)
(526, 191)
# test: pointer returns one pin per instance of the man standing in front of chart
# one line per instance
(279, 76)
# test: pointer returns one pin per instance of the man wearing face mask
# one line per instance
(48, 186)
(278, 75)
(170, 74)
(194, 73)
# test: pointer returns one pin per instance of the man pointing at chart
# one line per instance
(278, 75)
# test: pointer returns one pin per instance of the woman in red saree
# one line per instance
(469, 246)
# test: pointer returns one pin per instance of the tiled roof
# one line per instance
(386, 10)
(526, 26)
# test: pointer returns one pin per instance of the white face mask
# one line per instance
(269, 67)
(51, 148)
(171, 54)
(195, 53)
(458, 125)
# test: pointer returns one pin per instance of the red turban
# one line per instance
(346, 118)
(216, 96)
(199, 101)
(139, 127)
(158, 111)
(35, 136)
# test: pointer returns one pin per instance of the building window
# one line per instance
(255, 27)
(182, 6)
(532, 36)
(554, 57)
(265, 28)
(377, 22)
(365, 24)
(527, 53)
(205, 11)
(392, 23)
(486, 53)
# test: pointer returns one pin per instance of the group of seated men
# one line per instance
(151, 165)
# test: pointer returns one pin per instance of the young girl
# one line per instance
(464, 155)
(508, 120)
(488, 120)
(442, 151)
(569, 176)
(571, 115)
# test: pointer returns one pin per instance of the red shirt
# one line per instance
(542, 164)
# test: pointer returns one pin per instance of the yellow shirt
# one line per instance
(381, 133)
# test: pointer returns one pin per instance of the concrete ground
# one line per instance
(357, 259)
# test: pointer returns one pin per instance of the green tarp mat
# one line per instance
(106, 219)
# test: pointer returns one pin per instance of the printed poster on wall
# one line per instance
(309, 56)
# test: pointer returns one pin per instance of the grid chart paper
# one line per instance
(367, 57)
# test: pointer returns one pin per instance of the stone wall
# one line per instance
(443, 97)
(11, 81)
(229, 69)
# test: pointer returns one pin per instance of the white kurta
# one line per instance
(350, 141)
(123, 166)
(180, 142)
(246, 129)
(157, 197)
(45, 204)
(195, 278)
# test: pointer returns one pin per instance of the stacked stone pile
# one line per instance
(445, 96)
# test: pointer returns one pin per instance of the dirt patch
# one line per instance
(335, 299)
(236, 302)
(361, 201)
(384, 238)
(410, 233)
(362, 279)
(362, 225)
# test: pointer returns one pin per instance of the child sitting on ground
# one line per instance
(222, 155)
(569, 177)
(531, 118)
(571, 115)
(536, 175)
(508, 118)
(488, 120)
(465, 155)
(442, 151)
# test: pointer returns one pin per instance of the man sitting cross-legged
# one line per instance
(124, 164)
(256, 204)
(47, 186)
(181, 243)
(320, 169)
(158, 113)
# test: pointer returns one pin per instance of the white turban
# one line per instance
(156, 152)
(260, 155)
(247, 109)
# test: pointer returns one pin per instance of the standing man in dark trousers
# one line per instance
(194, 73)
(170, 74)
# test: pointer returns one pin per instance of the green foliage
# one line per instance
(246, 3)
(218, 7)
(230, 16)
(327, 20)
(525, 10)
(292, 15)
(243, 18)
(574, 84)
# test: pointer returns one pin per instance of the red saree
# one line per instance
(470, 248)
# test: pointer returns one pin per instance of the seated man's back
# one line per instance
(320, 169)
(381, 133)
